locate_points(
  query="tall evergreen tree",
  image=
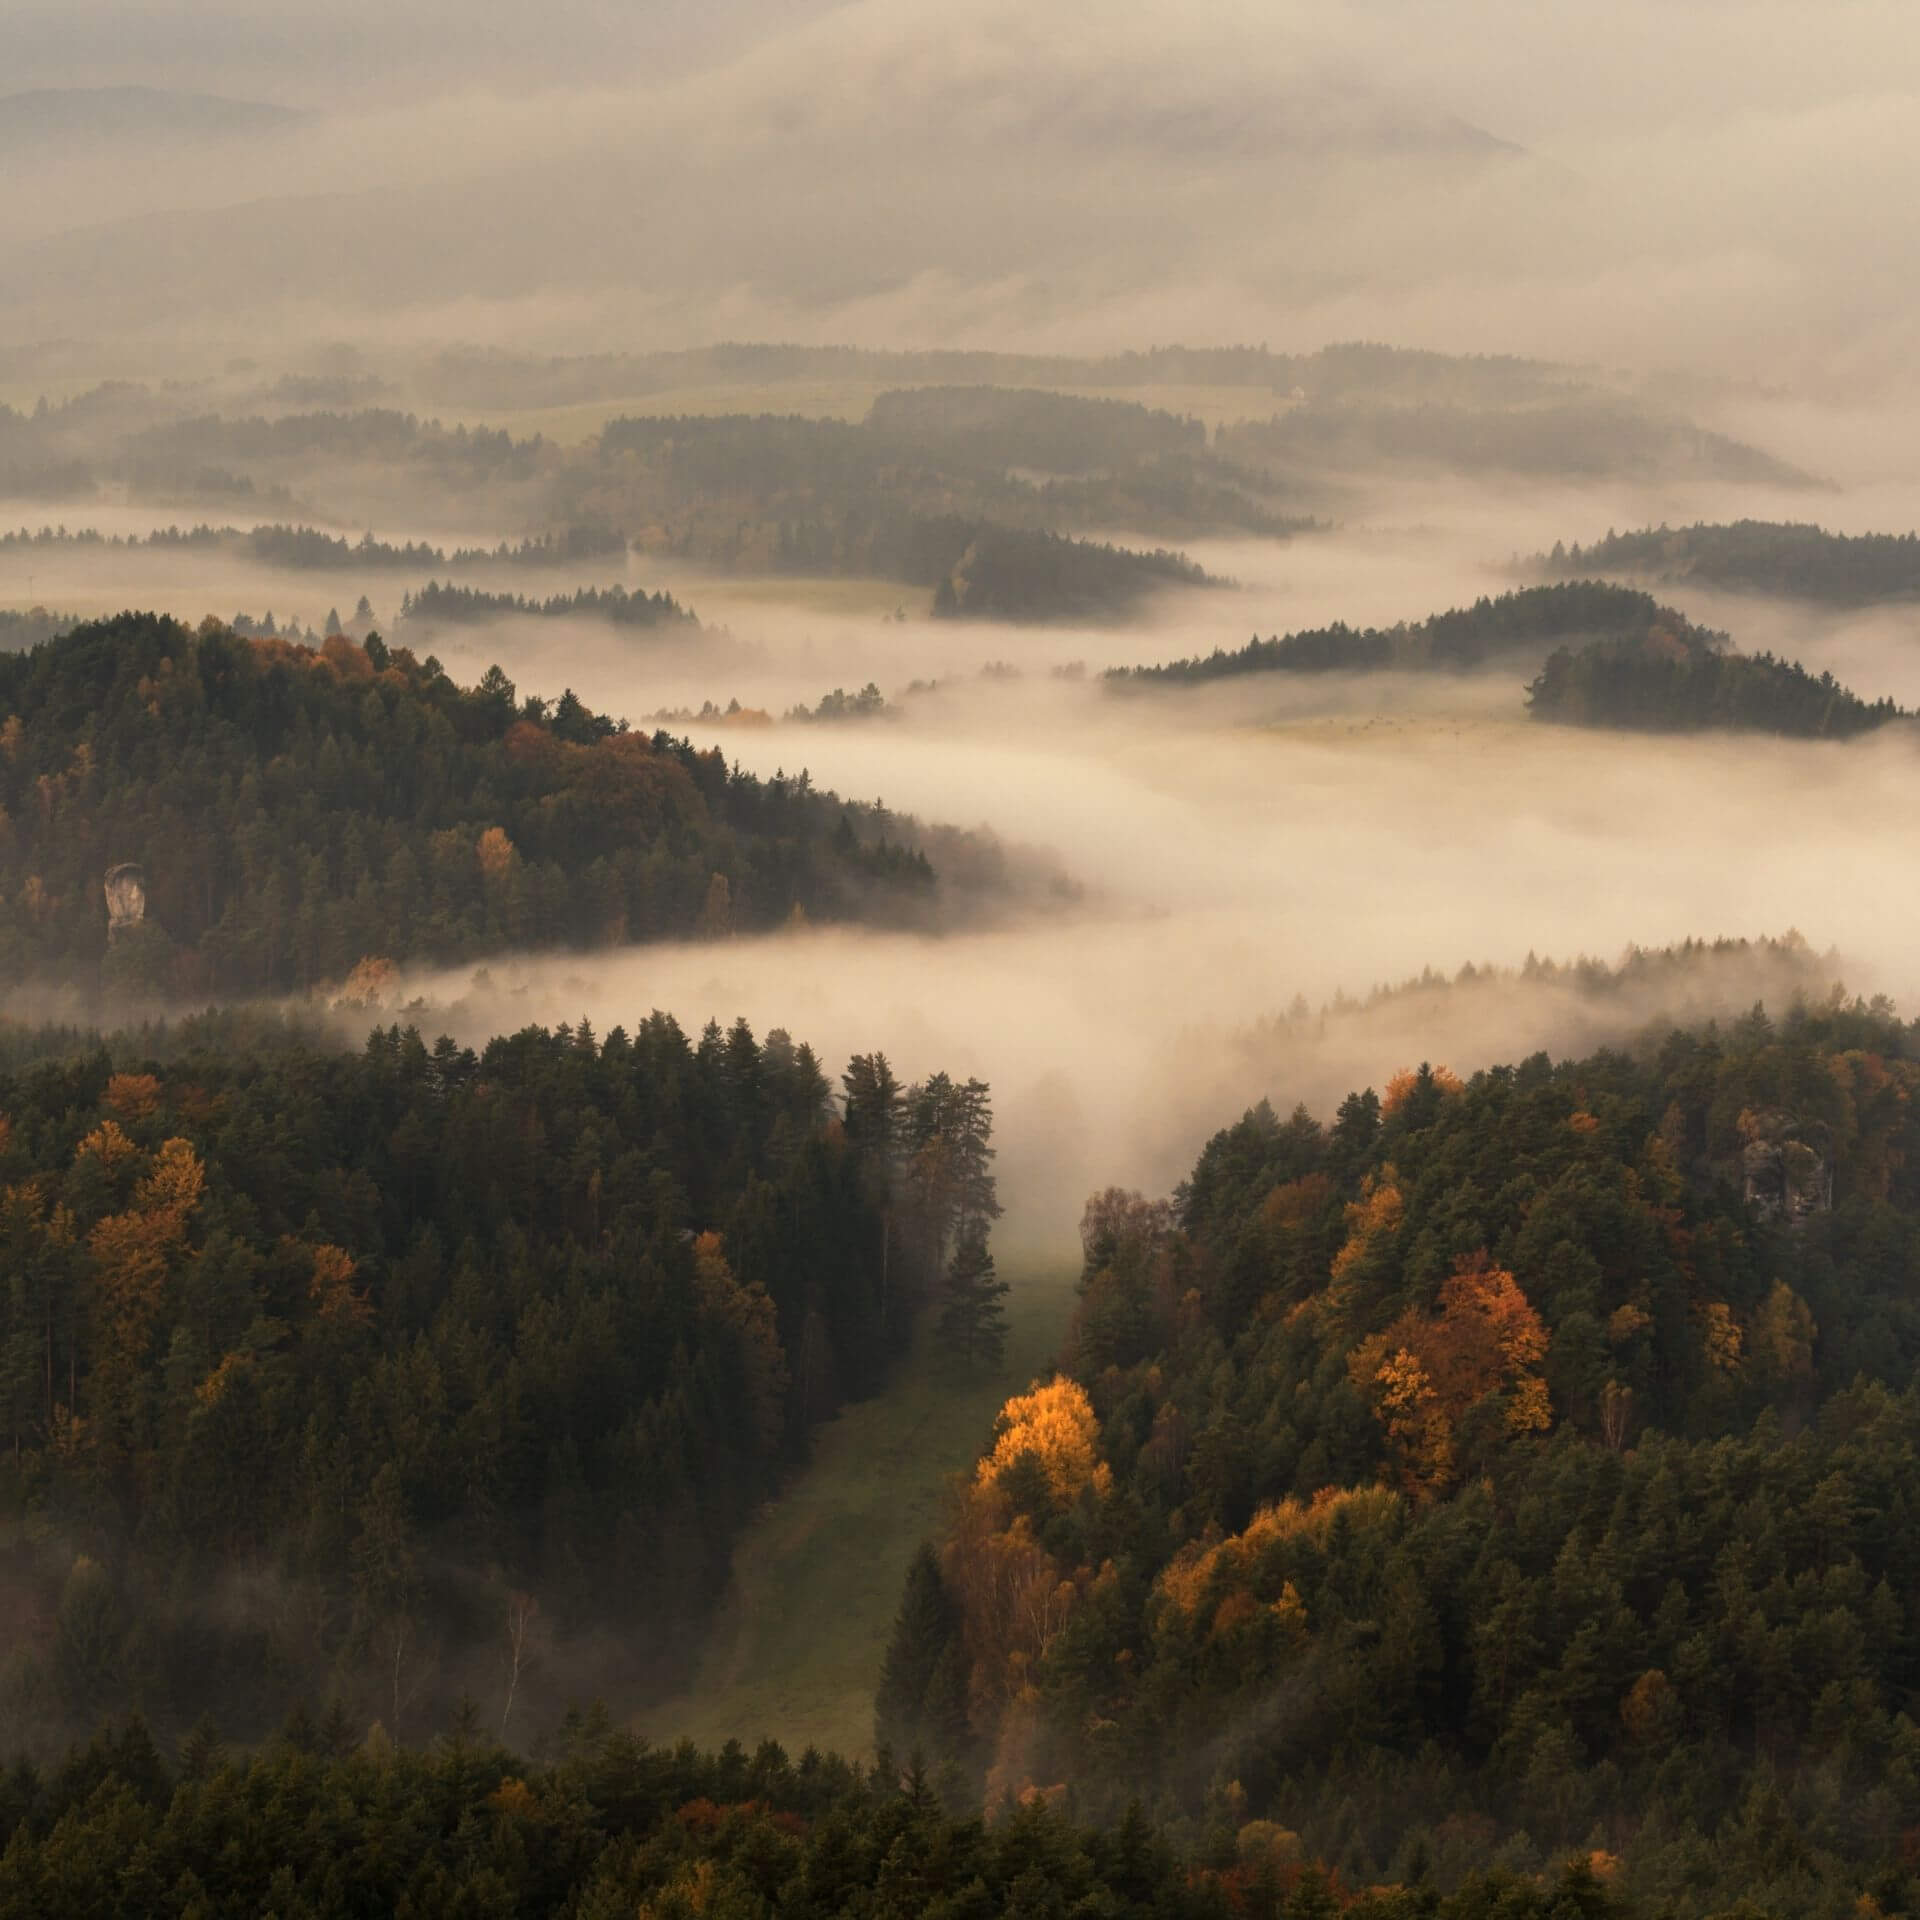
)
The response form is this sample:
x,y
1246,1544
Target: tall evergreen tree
x,y
973,1322
921,1706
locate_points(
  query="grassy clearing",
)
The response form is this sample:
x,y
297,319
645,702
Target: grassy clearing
x,y
794,1653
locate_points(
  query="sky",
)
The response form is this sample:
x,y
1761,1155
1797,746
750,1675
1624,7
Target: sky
x,y
1721,187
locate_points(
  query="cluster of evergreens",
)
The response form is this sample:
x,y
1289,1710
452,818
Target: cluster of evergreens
x,y
297,811
450,605
395,1375
311,549
1505,1467
317,1826
1802,562
568,547
868,704
1462,638
1006,574
369,433
30,626
1668,681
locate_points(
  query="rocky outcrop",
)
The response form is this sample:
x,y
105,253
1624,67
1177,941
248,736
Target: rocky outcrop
x,y
1786,1172
126,887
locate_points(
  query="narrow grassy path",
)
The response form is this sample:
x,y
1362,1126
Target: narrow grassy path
x,y
795,1649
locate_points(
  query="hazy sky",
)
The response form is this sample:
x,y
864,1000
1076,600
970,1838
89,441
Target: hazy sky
x,y
1713,184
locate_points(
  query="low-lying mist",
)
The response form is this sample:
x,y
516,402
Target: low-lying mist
x,y
1240,847
1264,841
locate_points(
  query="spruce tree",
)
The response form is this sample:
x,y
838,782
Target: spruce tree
x,y
973,1323
913,1710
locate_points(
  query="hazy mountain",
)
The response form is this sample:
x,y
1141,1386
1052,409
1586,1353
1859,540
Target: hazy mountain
x,y
61,118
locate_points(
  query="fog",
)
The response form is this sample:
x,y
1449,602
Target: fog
x,y
1702,206
1726,188
1263,843
1245,852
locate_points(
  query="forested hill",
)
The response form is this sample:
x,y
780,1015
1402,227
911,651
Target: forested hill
x,y
404,1375
1497,1469
1801,562
1463,637
1673,681
298,810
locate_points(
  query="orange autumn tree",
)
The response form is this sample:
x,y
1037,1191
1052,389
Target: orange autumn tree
x,y
1014,1596
330,1287
1427,1371
133,1254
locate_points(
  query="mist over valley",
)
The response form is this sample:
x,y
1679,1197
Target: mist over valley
x,y
959,963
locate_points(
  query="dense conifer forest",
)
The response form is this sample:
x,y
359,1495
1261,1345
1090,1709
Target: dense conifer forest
x,y
1499,1468
395,1376
298,811
1799,562
445,604
313,1825
1671,680
1462,638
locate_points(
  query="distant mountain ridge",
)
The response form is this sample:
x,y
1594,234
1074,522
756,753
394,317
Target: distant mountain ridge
x,y
64,116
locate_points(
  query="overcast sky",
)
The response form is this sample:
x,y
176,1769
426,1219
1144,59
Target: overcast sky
x,y
1726,183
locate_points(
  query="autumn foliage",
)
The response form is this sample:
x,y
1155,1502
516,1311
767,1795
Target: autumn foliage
x,y
1426,1372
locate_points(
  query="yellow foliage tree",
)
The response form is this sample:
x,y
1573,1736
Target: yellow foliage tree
x,y
108,1145
497,852
1374,1217
1054,1421
1720,1333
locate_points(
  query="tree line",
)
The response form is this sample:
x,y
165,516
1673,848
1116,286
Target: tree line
x,y
450,605
1797,560
1456,640
318,1824
311,549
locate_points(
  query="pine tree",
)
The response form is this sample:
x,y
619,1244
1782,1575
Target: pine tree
x,y
921,1704
973,1323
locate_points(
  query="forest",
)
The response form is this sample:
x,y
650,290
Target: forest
x,y
610,1826
312,549
959,962
1457,640
1793,560
392,1377
1505,1467
438,604
297,812
1678,682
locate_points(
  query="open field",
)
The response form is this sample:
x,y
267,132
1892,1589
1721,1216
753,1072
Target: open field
x,y
795,1651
